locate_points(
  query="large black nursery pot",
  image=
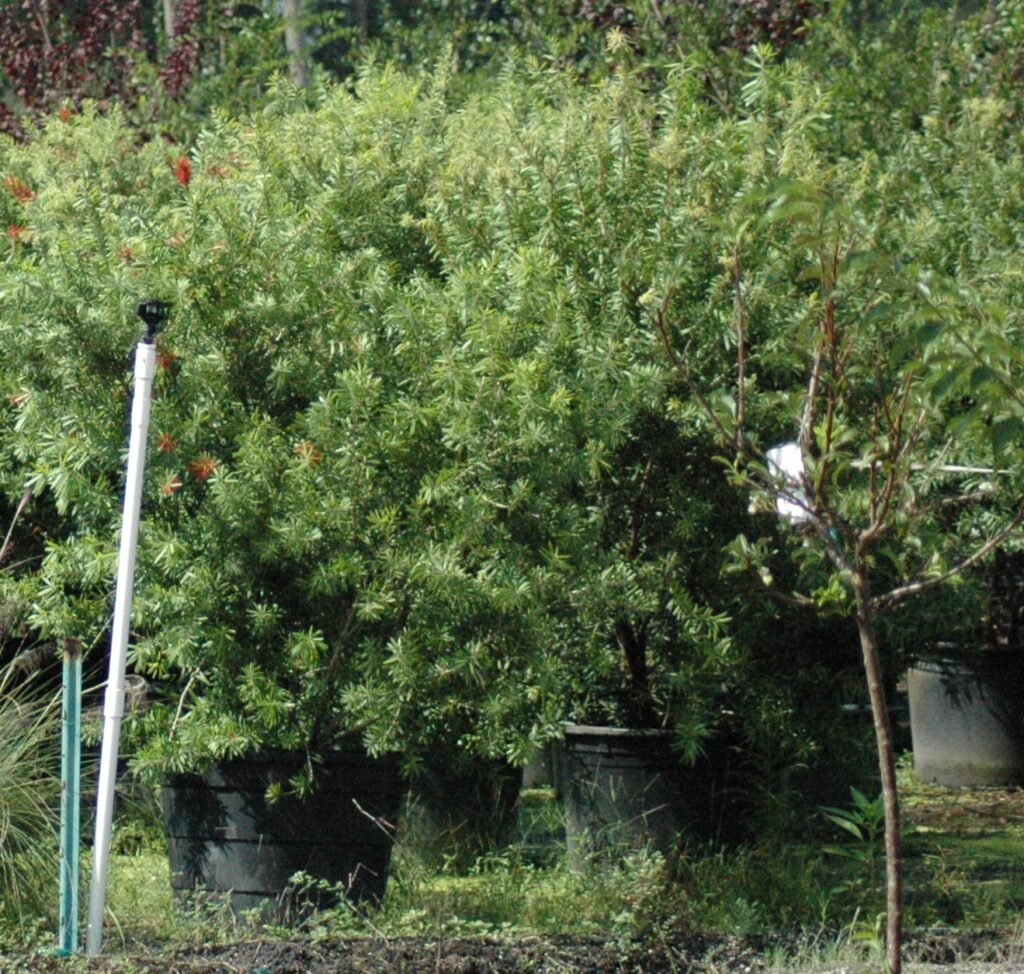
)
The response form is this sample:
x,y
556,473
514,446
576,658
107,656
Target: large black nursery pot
x,y
626,789
967,719
226,838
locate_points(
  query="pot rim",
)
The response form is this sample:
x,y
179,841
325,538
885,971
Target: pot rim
x,y
600,730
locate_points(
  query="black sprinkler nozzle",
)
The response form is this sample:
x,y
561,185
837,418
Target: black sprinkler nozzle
x,y
154,313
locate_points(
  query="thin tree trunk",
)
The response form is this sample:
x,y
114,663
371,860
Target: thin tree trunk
x,y
169,20
634,650
363,18
867,629
295,42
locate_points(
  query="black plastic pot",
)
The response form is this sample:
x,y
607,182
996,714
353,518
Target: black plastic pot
x,y
225,838
967,720
626,789
461,808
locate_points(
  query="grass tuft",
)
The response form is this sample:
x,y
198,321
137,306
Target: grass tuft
x,y
29,805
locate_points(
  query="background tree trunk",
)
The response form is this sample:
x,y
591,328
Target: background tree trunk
x,y
295,42
169,19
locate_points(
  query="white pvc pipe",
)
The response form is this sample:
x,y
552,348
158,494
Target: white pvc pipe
x,y
113,707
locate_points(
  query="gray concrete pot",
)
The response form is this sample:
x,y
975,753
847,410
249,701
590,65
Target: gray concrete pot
x,y
967,719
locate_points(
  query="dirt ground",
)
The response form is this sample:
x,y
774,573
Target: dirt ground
x,y
992,952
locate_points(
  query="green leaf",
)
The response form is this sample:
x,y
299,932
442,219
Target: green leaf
x,y
1006,435
927,333
983,375
788,210
842,819
945,384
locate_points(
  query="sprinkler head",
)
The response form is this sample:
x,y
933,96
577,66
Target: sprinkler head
x,y
154,313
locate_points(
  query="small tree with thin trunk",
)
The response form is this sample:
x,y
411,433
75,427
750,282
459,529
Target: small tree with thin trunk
x,y
880,449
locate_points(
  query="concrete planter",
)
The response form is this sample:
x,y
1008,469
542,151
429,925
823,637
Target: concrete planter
x,y
967,720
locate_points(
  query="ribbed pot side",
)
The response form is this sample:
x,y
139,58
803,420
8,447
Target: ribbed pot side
x,y
626,789
226,839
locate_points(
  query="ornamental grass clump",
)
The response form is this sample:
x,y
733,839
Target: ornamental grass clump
x,y
29,803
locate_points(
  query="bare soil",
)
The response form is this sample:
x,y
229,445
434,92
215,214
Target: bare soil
x,y
990,952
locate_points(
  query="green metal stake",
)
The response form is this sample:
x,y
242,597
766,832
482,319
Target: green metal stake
x,y
70,772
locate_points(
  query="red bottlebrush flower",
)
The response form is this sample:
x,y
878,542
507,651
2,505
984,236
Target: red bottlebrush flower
x,y
308,453
64,114
167,443
14,231
171,486
183,172
164,358
202,467
19,189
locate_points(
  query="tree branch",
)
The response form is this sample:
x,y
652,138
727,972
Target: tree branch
x,y
634,538
882,603
659,323
5,548
810,405
961,500
741,347
835,363
793,599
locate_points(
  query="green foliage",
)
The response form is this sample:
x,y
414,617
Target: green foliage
x,y
227,62
272,412
422,467
399,436
862,819
435,451
893,402
593,39
970,878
